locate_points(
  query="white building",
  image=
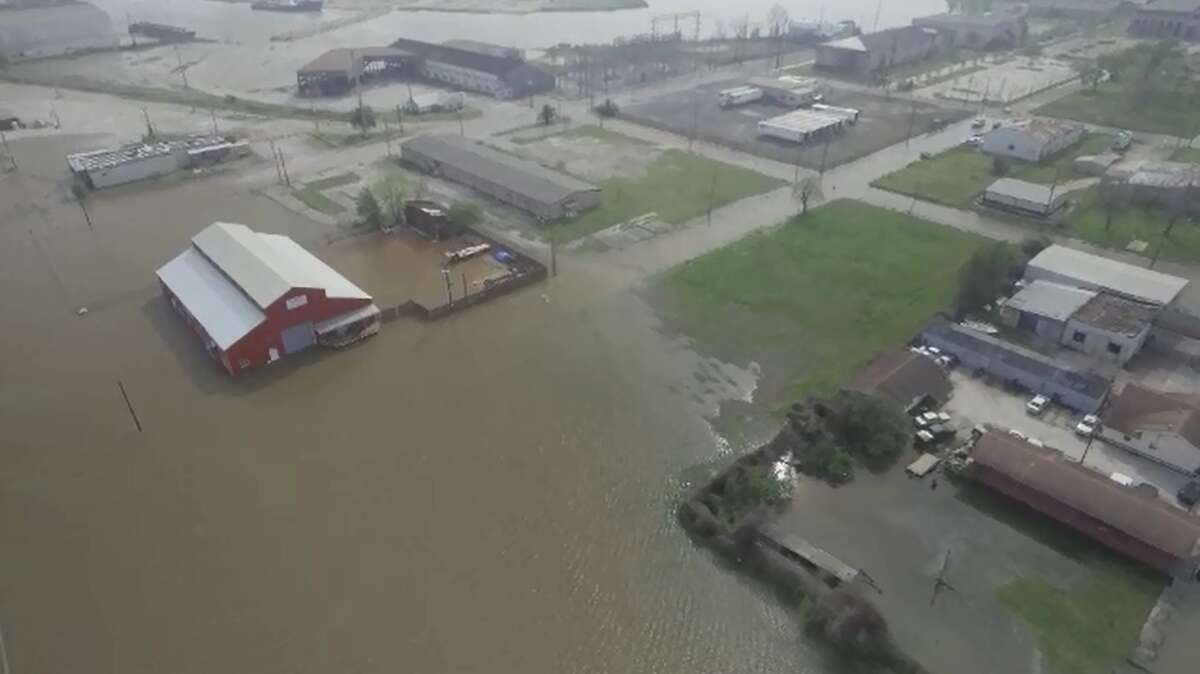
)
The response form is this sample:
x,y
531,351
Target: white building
x,y
1162,427
1032,140
141,161
1068,266
801,126
1024,198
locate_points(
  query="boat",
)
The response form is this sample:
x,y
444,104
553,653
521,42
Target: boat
x,y
288,5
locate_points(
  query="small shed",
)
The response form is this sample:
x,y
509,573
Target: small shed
x,y
1024,198
924,465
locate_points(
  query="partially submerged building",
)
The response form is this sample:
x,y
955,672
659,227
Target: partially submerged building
x,y
1078,390
791,92
1134,524
1032,140
140,161
907,378
337,71
873,52
1024,198
502,76
53,30
996,30
548,195
254,298
1162,427
1068,266
1167,184
1168,20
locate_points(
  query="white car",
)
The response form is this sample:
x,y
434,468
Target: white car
x,y
975,140
1036,406
926,419
1016,434
1087,426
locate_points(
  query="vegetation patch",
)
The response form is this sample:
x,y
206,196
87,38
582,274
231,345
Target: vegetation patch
x,y
677,185
1188,154
1090,221
318,202
339,180
815,298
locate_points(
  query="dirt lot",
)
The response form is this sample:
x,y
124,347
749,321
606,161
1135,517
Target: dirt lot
x,y
884,122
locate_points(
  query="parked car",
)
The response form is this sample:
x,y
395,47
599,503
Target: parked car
x,y
941,431
1189,494
979,123
925,419
997,124
1037,405
926,155
925,438
1122,141
1087,426
975,140
1016,434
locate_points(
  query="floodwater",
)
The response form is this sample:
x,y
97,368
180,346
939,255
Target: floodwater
x,y
489,493
237,22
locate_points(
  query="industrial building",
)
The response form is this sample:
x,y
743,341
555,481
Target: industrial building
x,y
254,298
54,30
1134,524
1162,427
907,378
1024,198
1032,140
1093,10
9,120
162,32
996,30
502,76
1068,266
337,71
790,92
1167,19
1167,184
1081,391
873,52
140,161
548,195
801,126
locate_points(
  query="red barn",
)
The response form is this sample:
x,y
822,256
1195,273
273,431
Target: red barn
x,y
254,298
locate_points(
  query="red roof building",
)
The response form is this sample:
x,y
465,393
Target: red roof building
x,y
254,298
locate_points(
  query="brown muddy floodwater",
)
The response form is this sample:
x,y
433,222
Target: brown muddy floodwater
x,y
489,493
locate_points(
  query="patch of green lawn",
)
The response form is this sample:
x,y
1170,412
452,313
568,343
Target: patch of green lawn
x,y
956,176
1190,154
820,295
1088,221
676,185
1089,627
1155,112
339,180
318,202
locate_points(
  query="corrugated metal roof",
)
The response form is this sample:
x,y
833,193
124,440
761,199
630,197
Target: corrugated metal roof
x,y
902,376
1026,191
1098,272
267,266
1116,314
1140,408
1052,300
518,175
210,297
1142,517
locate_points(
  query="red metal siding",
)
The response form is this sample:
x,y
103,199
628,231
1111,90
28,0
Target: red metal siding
x,y
1089,526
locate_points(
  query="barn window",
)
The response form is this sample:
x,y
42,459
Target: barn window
x,y
1012,146
1114,348
1078,337
296,302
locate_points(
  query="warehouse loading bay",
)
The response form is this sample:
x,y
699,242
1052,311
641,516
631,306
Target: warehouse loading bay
x,y
883,122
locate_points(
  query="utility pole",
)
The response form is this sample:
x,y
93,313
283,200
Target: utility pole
x,y
695,119
912,118
460,124
464,285
213,114
387,136
283,164
275,160
400,118
712,195
553,254
449,289
7,150
182,70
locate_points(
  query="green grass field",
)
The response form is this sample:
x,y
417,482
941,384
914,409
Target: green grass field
x,y
1089,222
820,295
957,176
1110,106
318,202
1191,154
1089,627
676,185
338,180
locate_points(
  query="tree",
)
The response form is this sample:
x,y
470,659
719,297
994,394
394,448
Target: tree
x,y
849,621
465,214
1000,166
778,20
547,115
1033,245
1113,196
874,428
389,193
1089,73
608,108
805,190
984,277
367,207
362,117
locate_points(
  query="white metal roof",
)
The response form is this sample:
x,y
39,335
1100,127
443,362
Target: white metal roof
x,y
805,121
267,266
853,43
1098,272
1052,300
225,313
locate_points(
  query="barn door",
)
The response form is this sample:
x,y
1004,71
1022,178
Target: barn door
x,y
298,338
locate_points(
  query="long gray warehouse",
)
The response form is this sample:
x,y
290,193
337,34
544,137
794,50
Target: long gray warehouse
x,y
548,195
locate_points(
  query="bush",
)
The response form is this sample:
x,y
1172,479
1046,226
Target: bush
x,y
367,207
840,467
871,427
850,622
608,108
984,277
1001,166
362,117
465,214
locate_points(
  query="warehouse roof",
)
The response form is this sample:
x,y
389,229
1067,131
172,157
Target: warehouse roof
x,y
1023,190
1139,408
1044,130
902,376
344,60
471,59
805,121
1046,472
210,297
524,177
268,266
1052,300
1187,6
967,20
1098,272
102,159
1116,314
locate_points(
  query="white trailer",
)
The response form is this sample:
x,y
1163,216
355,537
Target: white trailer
x,y
800,126
792,92
849,114
739,96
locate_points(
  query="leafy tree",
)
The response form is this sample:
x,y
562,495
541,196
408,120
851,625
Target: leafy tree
x,y
389,193
547,115
849,621
1033,245
871,427
363,118
840,467
367,207
608,108
750,488
778,20
1089,73
1000,166
465,214
984,277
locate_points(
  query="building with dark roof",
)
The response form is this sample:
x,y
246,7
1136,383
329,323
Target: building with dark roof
x,y
1134,524
1167,19
1069,9
502,76
1162,427
875,52
548,195
336,71
910,379
992,30
1110,327
1082,391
